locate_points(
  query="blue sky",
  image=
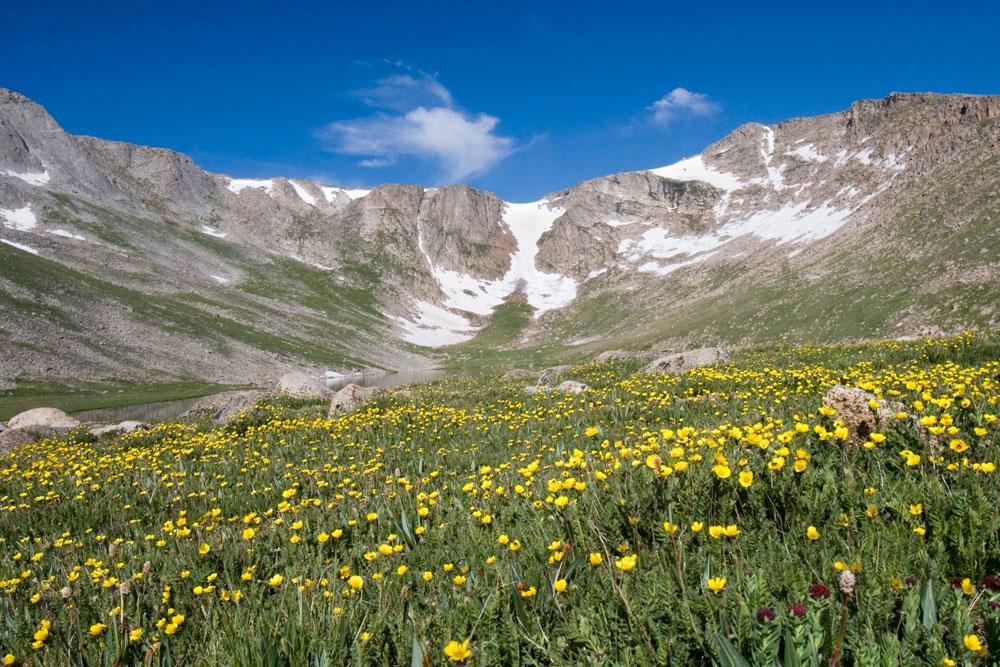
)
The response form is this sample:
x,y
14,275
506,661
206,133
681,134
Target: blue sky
x,y
518,98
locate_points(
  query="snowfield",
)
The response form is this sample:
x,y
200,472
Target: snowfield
x,y
695,169
35,179
435,326
19,219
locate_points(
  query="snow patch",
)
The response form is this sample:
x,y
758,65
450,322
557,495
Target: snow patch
x,y
219,279
303,193
793,223
774,178
433,326
462,292
66,234
212,231
807,153
596,272
669,267
892,162
19,219
237,185
695,169
35,179
331,193
864,157
20,246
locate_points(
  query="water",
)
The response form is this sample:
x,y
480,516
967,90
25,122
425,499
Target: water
x,y
152,412
143,412
385,380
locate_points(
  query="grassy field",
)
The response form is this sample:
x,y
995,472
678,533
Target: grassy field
x,y
713,517
96,395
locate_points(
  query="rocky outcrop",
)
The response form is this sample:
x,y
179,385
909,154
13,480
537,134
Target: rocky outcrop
x,y
609,356
112,430
231,280
300,384
863,413
518,374
43,418
352,397
550,376
571,387
683,361
12,438
222,407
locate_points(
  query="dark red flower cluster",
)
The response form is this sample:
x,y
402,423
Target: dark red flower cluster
x,y
765,614
819,592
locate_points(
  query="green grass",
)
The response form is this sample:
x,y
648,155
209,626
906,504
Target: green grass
x,y
77,396
285,538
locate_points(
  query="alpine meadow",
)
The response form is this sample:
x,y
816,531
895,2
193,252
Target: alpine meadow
x,y
499,334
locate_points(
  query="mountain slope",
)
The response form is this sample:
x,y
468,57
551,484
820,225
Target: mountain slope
x,y
122,261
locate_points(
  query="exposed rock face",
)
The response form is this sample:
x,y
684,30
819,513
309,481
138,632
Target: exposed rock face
x,y
166,270
223,407
117,429
300,384
351,397
12,438
550,376
682,361
45,418
622,355
852,406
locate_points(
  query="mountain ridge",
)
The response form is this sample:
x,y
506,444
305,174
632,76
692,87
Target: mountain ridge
x,y
262,274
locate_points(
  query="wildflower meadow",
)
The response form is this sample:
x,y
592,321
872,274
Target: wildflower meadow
x,y
718,516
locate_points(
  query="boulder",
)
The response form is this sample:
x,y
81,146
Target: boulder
x,y
12,438
572,387
682,361
533,389
852,407
518,374
300,384
623,355
351,397
43,418
549,376
222,407
98,430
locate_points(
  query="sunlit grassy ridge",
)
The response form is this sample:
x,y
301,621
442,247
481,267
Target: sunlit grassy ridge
x,y
653,519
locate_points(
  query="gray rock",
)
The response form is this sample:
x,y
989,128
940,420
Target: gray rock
x,y
682,361
623,355
12,438
46,418
300,384
852,407
533,389
351,397
518,374
222,407
551,375
117,429
572,387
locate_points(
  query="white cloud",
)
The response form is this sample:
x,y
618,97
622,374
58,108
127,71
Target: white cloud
x,y
424,122
404,92
679,102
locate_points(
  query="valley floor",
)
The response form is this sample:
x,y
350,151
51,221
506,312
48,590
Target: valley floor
x,y
722,514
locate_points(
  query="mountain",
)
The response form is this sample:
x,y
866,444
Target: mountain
x,y
128,262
